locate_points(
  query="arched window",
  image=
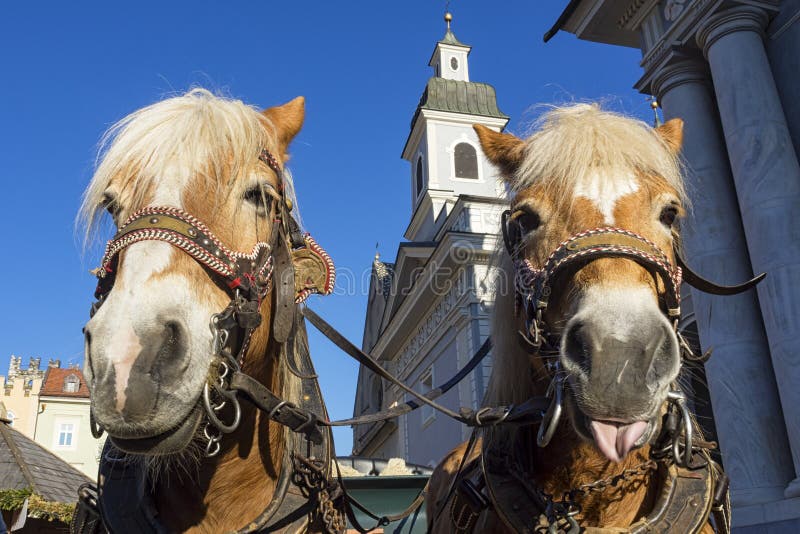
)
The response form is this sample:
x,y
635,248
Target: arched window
x,y
71,384
419,176
465,161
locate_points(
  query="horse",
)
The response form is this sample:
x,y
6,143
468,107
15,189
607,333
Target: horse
x,y
196,309
589,322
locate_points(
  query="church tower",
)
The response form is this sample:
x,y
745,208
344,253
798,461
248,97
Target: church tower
x,y
428,310
443,150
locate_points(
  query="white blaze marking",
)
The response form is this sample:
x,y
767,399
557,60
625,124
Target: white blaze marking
x,y
139,299
126,349
604,191
171,186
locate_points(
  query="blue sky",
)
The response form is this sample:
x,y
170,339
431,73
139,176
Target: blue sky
x,y
71,69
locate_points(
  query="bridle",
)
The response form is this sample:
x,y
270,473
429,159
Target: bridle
x,y
533,285
533,288
247,277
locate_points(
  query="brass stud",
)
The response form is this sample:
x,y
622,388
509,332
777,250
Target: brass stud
x,y
153,220
192,232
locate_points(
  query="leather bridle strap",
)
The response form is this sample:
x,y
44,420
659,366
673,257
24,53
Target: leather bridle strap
x,y
241,271
707,286
529,412
432,394
535,284
279,410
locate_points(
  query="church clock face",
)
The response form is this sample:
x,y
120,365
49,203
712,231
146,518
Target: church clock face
x,y
454,63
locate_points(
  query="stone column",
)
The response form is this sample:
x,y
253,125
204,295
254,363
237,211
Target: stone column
x,y
752,435
767,177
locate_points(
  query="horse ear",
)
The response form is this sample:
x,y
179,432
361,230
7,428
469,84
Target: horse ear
x,y
287,120
504,150
672,134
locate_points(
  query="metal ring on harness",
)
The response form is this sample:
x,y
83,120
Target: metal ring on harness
x,y
211,412
679,399
553,414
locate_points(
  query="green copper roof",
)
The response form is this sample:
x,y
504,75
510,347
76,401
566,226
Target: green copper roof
x,y
450,39
471,98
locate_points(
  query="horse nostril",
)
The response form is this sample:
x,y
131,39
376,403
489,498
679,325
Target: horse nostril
x,y
172,338
665,356
171,358
577,347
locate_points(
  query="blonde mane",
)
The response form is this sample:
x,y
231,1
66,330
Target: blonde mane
x,y
214,136
567,144
570,142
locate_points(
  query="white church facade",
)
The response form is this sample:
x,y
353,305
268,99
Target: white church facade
x,y
427,311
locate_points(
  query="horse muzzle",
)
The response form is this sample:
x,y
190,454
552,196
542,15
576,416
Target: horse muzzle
x,y
620,355
140,374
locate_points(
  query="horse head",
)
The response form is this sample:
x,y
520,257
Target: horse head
x,y
210,170
593,225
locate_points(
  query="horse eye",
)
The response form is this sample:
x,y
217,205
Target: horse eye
x,y
528,221
668,216
258,198
110,204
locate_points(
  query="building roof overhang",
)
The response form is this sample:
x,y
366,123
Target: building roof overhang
x,y
602,21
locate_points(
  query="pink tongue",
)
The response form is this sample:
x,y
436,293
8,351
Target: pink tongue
x,y
615,440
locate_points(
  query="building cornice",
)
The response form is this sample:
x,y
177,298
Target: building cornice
x,y
680,40
464,202
67,400
454,251
432,200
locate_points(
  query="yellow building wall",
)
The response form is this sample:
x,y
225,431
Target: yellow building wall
x,y
22,401
60,417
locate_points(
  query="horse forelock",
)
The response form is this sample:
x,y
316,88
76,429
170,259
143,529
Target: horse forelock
x,y
195,141
571,145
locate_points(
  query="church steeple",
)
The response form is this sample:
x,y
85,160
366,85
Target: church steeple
x,y
449,59
442,148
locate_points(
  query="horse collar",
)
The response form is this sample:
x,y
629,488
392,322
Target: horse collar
x,y
496,480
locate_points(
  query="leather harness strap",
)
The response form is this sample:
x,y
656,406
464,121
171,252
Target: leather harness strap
x,y
686,498
526,413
